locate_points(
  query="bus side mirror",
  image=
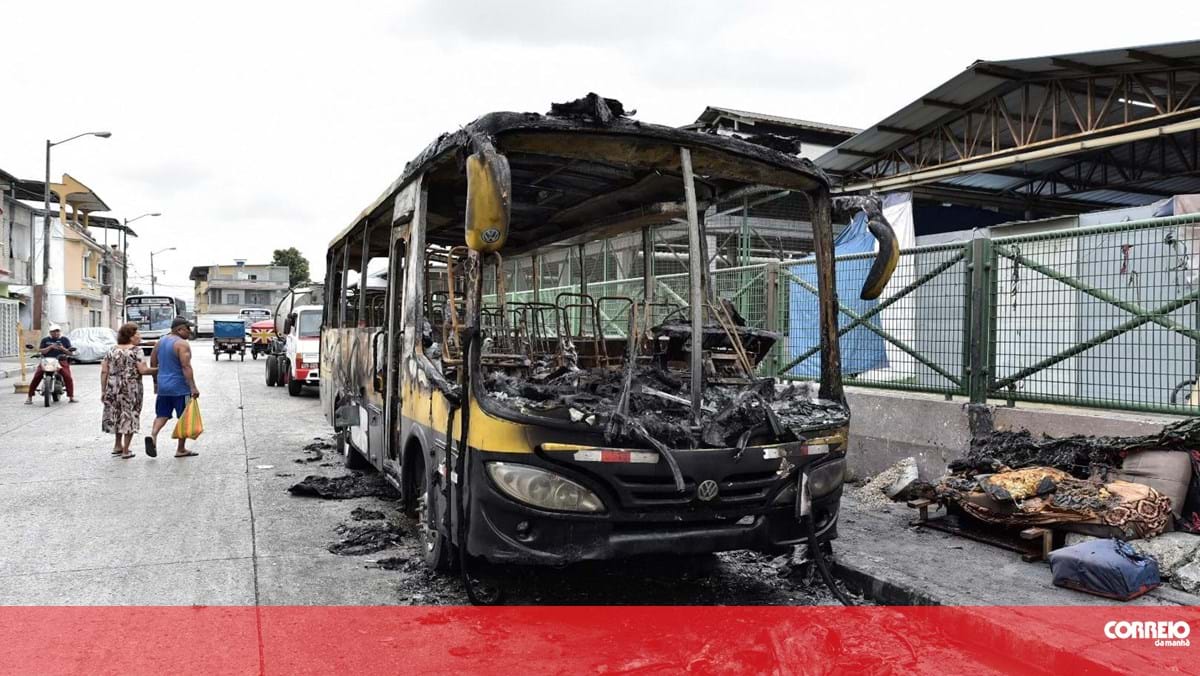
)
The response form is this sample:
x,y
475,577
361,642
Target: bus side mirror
x,y
289,323
489,201
885,260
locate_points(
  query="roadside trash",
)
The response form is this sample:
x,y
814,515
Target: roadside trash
x,y
884,487
1044,496
1108,568
264,467
190,425
1168,461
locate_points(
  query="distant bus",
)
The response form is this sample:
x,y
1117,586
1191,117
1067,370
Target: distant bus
x,y
153,315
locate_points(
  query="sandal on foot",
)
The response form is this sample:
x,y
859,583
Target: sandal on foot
x,y
189,454
117,452
150,449
125,456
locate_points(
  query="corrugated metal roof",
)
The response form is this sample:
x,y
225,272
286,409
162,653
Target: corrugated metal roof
x,y
712,112
975,83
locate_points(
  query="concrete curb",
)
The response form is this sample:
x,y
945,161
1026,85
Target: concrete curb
x,y
1015,632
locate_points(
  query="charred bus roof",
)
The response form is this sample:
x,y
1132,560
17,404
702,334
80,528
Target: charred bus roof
x,y
585,170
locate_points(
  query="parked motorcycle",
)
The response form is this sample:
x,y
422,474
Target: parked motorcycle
x,y
53,385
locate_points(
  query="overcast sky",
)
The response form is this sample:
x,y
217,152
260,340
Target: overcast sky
x,y
255,125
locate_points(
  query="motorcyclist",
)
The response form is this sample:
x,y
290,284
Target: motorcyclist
x,y
58,346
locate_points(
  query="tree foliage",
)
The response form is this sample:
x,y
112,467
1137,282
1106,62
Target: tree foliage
x,y
296,263
134,291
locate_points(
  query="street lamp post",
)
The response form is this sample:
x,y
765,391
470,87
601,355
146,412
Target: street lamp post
x,y
153,276
45,315
125,255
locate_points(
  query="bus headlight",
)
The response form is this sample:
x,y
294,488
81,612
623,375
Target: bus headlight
x,y
825,479
543,489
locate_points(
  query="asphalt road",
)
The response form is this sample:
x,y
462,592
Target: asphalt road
x,y
78,526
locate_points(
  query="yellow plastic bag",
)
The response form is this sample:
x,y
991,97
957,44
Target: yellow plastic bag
x,y
189,425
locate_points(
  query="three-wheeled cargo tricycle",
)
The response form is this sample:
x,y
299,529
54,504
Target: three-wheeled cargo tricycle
x,y
229,337
261,334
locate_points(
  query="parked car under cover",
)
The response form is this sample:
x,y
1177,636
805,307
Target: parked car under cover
x,y
92,343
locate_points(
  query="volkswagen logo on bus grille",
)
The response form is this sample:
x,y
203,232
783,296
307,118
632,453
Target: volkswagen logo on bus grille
x,y
707,490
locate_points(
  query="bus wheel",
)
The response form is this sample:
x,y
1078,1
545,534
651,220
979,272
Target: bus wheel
x,y
295,387
272,371
431,511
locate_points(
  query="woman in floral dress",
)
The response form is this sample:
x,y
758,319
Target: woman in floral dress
x,y
121,388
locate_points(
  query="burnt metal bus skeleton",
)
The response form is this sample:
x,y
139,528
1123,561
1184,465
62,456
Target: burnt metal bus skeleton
x,y
521,431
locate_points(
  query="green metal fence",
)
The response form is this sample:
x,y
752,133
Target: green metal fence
x,y
912,338
1107,316
1104,317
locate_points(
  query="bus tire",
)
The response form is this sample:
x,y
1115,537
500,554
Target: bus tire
x,y
283,367
295,387
272,371
436,549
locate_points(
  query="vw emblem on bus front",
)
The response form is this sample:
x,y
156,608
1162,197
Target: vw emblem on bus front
x,y
707,490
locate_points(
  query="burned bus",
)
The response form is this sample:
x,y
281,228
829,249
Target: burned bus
x,y
525,429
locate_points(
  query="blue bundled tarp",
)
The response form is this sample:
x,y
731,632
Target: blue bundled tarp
x,y
1109,568
229,329
862,349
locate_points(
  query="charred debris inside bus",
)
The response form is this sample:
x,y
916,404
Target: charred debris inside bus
x,y
620,371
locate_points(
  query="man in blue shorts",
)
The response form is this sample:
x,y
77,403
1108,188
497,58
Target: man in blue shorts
x,y
174,384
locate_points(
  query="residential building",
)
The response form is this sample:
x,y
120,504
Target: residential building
x,y
225,289
83,288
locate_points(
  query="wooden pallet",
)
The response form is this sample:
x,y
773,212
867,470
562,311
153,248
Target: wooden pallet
x,y
1033,544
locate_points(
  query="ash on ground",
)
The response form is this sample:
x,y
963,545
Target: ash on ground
x,y
363,514
368,538
315,451
354,485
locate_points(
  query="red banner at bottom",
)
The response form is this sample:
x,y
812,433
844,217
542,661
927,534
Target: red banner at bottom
x,y
613,639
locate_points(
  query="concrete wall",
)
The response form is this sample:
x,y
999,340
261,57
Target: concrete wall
x,y
886,427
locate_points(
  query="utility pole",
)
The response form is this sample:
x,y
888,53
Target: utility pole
x,y
154,276
44,319
125,256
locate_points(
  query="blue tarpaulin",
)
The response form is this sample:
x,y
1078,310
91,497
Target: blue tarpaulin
x,y
862,349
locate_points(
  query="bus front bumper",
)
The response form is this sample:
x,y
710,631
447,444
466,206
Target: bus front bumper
x,y
503,530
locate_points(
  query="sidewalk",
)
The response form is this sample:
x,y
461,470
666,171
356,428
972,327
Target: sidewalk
x,y
878,553
10,367
896,563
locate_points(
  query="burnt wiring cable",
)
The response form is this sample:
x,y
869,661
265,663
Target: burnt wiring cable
x,y
818,556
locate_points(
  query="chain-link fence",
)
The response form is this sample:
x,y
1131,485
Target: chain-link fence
x,y
911,338
1105,316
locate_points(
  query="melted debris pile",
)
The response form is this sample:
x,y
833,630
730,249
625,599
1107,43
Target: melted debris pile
x,y
659,406
1083,457
1079,455
315,451
361,514
369,538
344,487
1039,496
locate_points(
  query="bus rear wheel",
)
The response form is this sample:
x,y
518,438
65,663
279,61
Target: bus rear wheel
x,y
272,371
431,513
295,387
